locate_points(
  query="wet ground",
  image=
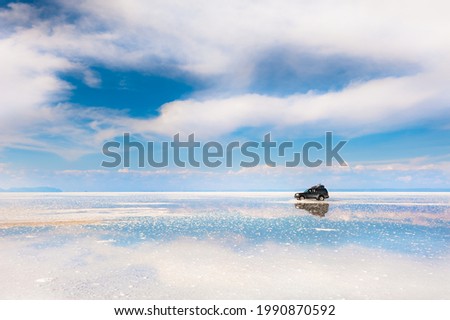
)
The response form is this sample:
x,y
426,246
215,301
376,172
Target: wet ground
x,y
224,246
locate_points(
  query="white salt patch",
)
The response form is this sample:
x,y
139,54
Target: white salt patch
x,y
325,229
43,280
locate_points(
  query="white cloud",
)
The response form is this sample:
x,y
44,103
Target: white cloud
x,y
83,172
361,108
30,89
222,42
411,165
213,37
3,168
163,172
406,179
30,115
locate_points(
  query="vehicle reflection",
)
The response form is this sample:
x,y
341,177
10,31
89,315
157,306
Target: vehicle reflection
x,y
318,209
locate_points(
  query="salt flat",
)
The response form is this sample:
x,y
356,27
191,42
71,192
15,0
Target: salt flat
x,y
224,246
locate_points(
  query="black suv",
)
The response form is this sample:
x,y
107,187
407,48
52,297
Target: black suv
x,y
318,192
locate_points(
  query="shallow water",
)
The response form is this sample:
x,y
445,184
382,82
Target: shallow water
x,y
224,246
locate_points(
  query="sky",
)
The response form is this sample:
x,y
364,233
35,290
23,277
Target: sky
x,y
74,76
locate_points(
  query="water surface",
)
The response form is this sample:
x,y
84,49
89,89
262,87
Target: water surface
x,y
224,246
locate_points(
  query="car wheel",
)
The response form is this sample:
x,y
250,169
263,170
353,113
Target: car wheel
x,y
321,198
301,198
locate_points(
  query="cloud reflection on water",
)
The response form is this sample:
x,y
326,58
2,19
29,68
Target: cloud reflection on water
x,y
158,246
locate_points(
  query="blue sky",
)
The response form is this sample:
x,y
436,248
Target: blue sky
x,y
74,76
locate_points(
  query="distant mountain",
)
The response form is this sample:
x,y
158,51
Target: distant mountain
x,y
31,189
